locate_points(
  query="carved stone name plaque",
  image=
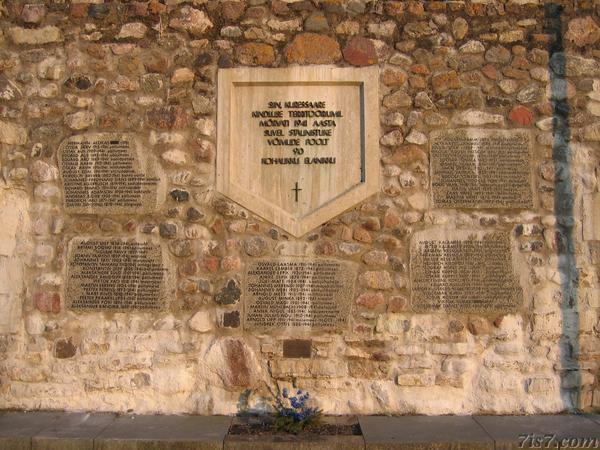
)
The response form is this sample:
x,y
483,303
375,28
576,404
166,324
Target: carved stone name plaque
x,y
463,272
594,252
112,274
104,173
298,145
298,293
591,216
297,348
480,168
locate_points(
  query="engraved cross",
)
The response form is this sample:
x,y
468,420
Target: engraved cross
x,y
296,189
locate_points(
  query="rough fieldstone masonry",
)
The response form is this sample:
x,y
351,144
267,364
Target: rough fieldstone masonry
x,y
393,205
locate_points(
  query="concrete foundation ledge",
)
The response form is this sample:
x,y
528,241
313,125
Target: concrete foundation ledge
x,y
43,430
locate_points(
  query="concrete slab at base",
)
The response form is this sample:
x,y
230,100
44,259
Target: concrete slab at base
x,y
424,432
515,432
594,417
164,432
72,431
156,445
81,431
15,443
18,427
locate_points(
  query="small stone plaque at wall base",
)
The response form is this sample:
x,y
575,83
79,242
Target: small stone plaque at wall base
x,y
463,272
481,168
591,216
297,348
105,173
298,294
113,274
594,252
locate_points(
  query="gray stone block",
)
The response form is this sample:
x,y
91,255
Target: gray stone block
x,y
164,432
594,417
514,432
424,432
18,427
72,431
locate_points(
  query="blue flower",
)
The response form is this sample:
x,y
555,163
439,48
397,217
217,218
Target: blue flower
x,y
294,411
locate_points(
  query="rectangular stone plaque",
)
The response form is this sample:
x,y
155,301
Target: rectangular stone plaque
x,y
11,285
594,252
112,274
591,216
297,348
298,145
105,173
481,168
463,272
298,293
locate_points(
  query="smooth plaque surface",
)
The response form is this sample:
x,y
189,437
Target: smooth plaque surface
x,y
113,274
594,252
297,348
481,168
463,271
106,173
591,216
298,293
299,145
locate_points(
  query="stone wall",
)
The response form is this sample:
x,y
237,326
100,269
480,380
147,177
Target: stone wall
x,y
148,70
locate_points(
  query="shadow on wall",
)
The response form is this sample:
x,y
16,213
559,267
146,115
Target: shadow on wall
x,y
563,211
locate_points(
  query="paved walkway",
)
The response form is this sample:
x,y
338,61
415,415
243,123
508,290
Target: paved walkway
x,y
104,431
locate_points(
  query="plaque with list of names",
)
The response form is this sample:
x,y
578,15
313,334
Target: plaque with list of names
x,y
481,168
105,173
298,293
113,274
463,272
298,145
